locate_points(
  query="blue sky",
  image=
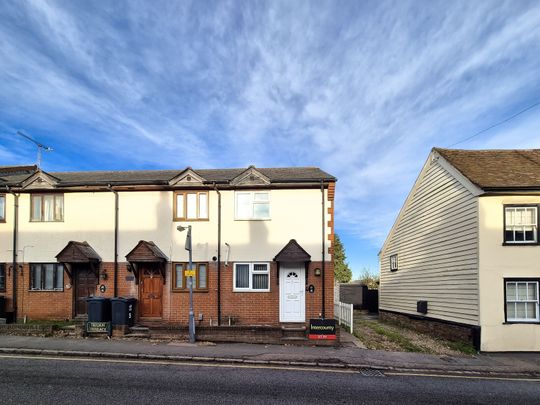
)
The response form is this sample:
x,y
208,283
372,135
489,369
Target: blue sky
x,y
362,89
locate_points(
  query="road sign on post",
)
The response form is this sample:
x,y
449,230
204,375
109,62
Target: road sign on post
x,y
190,273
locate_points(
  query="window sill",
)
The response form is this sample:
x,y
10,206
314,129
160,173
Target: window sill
x,y
45,222
251,291
47,291
521,244
186,291
253,219
521,323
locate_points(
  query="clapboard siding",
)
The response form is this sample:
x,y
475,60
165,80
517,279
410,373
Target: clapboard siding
x,y
436,240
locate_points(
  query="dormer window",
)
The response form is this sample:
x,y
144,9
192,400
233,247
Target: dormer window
x,y
520,224
47,207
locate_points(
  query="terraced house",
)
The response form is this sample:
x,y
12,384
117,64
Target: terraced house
x,y
462,258
259,237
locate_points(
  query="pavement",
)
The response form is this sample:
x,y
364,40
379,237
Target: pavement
x,y
347,356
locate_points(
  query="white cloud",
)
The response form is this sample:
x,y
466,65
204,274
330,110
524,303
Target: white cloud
x,y
362,89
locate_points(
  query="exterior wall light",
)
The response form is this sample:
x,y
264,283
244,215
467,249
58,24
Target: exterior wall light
x,y
317,272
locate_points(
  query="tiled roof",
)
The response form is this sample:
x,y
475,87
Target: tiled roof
x,y
141,177
497,169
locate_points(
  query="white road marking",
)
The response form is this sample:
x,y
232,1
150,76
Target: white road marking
x,y
469,377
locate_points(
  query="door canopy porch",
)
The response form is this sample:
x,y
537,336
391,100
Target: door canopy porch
x,y
292,252
146,252
78,253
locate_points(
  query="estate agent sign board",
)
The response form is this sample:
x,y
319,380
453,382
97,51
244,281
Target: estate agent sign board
x,y
322,329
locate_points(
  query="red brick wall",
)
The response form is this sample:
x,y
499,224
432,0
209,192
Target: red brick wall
x,y
42,304
248,308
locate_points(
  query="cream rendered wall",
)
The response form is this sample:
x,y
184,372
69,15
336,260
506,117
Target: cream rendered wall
x,y
295,214
87,217
436,240
496,263
148,215
6,232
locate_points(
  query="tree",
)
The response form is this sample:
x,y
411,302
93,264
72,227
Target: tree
x,y
369,279
342,272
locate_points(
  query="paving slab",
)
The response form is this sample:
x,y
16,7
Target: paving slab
x,y
493,363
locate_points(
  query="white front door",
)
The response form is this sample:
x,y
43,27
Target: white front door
x,y
292,293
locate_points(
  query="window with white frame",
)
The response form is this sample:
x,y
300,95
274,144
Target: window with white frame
x,y
47,207
251,277
252,205
520,224
191,206
46,277
522,301
2,207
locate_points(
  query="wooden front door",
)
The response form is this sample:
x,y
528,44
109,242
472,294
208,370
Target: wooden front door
x,y
151,292
85,286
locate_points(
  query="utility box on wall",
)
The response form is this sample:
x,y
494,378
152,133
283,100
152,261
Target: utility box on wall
x,y
421,306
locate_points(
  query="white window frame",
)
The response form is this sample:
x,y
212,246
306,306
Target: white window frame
x,y
251,272
513,228
516,300
3,208
253,203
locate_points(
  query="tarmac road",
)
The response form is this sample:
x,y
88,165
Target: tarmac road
x,y
42,380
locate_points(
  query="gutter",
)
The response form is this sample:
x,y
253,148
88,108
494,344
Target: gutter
x,y
15,239
218,257
115,283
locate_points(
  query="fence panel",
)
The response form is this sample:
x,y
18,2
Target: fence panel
x,y
344,314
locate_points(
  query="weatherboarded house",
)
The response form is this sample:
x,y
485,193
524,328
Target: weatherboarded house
x,y
259,238
462,258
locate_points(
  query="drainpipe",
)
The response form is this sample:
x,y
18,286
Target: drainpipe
x,y
115,283
15,247
218,257
323,253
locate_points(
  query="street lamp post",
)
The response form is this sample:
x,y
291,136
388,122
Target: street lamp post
x,y
188,247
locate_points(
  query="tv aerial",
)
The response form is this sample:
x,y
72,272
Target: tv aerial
x,y
40,146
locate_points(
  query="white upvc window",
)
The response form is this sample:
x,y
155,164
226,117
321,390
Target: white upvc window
x,y
251,277
522,301
2,208
520,224
252,205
